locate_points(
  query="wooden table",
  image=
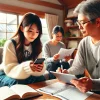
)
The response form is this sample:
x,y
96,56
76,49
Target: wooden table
x,y
49,97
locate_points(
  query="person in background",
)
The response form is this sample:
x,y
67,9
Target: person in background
x,y
88,54
51,49
21,51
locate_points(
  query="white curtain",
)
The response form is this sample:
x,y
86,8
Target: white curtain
x,y
51,20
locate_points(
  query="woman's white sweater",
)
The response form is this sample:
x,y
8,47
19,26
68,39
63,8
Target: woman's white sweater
x,y
10,64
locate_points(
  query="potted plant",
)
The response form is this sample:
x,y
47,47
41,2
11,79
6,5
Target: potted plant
x,y
2,42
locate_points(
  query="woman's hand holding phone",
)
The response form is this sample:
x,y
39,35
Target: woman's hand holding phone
x,y
37,65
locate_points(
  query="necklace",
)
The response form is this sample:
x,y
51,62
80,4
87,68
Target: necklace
x,y
27,51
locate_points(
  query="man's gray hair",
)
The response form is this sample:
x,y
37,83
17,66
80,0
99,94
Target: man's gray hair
x,y
89,8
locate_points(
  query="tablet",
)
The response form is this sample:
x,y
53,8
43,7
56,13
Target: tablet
x,y
66,78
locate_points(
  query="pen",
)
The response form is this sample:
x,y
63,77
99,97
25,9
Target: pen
x,y
87,73
62,67
61,64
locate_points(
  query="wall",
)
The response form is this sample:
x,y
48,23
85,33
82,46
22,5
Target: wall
x,y
35,7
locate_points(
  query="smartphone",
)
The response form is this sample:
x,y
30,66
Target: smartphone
x,y
39,61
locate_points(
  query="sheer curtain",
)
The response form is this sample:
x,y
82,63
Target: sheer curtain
x,y
51,20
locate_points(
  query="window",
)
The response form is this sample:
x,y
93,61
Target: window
x,y
45,36
9,23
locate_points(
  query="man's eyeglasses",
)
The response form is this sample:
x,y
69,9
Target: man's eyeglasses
x,y
81,23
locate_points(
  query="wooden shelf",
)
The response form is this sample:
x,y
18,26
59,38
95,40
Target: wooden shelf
x,y
74,38
73,26
71,17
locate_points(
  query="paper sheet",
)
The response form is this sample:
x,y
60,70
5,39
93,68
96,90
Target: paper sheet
x,y
65,52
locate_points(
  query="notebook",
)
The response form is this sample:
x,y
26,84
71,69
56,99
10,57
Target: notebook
x,y
64,91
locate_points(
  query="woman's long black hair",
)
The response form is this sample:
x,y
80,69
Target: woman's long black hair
x,y
28,20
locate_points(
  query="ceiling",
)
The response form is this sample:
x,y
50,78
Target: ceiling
x,y
57,4
70,3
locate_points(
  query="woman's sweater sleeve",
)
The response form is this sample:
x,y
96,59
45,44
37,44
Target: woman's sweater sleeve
x,y
46,52
96,84
11,66
78,62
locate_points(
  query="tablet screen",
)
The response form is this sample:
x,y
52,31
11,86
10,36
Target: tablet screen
x,y
66,78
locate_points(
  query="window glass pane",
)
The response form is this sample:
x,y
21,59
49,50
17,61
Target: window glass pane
x,y
2,17
11,19
2,35
20,18
2,28
45,35
11,28
43,22
44,38
8,25
9,35
45,31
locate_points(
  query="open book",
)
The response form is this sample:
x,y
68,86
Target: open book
x,y
17,92
65,52
64,91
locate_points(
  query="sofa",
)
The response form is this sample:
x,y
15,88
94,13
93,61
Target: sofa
x,y
1,53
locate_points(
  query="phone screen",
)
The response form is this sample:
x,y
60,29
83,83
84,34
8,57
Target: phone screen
x,y
39,61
